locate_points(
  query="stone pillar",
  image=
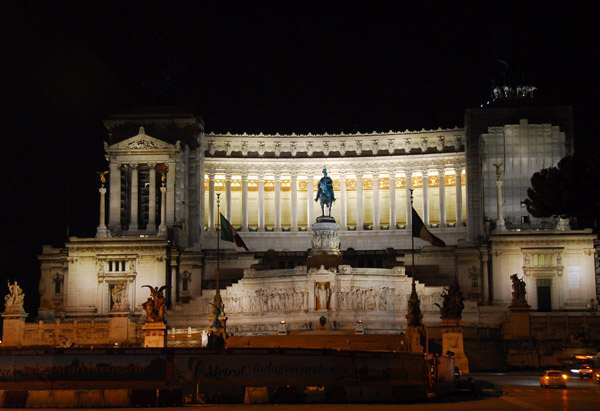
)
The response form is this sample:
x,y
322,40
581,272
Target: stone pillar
x,y
408,205
294,200
309,199
277,201
392,200
261,202
114,211
426,198
244,201
485,299
376,200
152,199
344,206
228,197
170,199
442,198
359,201
500,221
155,335
102,230
162,229
459,216
174,285
211,202
133,223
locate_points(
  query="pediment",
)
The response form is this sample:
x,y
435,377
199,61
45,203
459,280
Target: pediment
x,y
141,141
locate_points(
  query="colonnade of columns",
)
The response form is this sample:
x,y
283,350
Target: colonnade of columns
x,y
341,196
166,197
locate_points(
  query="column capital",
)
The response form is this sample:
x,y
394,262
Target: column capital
x,y
134,166
228,176
260,175
152,165
211,174
425,172
408,172
277,175
458,170
359,174
293,175
375,174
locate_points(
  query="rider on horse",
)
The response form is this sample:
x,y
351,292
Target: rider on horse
x,y
325,192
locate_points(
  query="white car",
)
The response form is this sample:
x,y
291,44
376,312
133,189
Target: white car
x,y
554,378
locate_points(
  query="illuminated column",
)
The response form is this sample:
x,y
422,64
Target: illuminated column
x,y
344,207
133,223
211,202
294,216
152,199
277,201
359,202
408,205
228,197
500,221
309,199
162,229
114,219
459,216
376,200
442,198
244,201
426,197
102,231
261,202
393,200
174,285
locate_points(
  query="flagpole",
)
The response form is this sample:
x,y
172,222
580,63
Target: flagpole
x,y
218,236
412,239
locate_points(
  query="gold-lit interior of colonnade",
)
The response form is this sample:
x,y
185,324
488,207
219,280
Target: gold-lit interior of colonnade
x,y
434,218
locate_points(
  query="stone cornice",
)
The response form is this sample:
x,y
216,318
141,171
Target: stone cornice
x,y
336,165
336,145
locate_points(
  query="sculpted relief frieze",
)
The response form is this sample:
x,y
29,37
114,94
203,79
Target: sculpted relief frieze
x,y
360,144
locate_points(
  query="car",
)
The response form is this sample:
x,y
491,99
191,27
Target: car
x,y
554,378
596,377
457,372
585,371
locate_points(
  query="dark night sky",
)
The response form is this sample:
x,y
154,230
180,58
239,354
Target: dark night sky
x,y
311,67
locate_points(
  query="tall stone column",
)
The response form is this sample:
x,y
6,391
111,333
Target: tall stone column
x,y
309,199
152,200
261,202
459,216
162,229
392,200
102,230
359,201
294,207
376,200
228,196
277,201
442,198
211,202
426,198
114,211
343,203
244,201
174,283
500,221
133,223
408,205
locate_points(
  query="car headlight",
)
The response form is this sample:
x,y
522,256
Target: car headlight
x,y
564,376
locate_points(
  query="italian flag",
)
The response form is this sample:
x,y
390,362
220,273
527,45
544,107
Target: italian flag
x,y
419,230
228,233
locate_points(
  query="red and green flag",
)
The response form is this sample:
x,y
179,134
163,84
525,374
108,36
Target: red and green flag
x,y
420,230
228,233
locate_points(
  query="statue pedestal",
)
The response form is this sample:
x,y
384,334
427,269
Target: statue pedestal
x,y
325,249
518,323
119,327
452,340
14,327
155,335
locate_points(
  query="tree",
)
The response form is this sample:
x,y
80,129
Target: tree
x,y
571,189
